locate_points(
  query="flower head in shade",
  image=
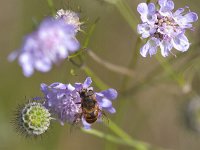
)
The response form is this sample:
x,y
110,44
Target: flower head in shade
x,y
69,17
65,101
164,28
51,43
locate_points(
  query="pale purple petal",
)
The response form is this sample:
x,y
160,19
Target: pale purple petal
x,y
111,110
180,42
26,63
191,17
178,12
78,86
13,55
43,65
110,94
151,8
104,103
166,5
142,9
73,44
145,29
165,47
70,87
87,82
43,88
150,47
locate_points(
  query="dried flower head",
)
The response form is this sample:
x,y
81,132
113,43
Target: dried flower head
x,y
50,44
33,119
164,28
69,17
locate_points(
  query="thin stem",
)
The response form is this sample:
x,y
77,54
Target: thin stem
x,y
132,63
90,32
110,66
51,6
128,15
108,137
118,131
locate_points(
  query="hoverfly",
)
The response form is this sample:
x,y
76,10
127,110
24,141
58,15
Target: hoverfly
x,y
90,109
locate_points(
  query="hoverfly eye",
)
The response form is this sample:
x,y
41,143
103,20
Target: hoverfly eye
x,y
82,94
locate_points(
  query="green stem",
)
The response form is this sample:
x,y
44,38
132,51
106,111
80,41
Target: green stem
x,y
108,137
118,131
132,63
51,6
127,13
90,32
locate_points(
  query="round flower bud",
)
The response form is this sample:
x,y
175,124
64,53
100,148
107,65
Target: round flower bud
x,y
33,119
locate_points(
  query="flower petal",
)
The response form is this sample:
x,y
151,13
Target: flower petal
x,y
105,103
110,94
26,63
111,110
150,47
180,42
43,65
78,86
165,47
151,8
178,12
191,17
87,82
73,44
166,6
142,8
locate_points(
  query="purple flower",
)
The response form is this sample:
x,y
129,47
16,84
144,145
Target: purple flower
x,y
64,101
164,28
61,100
51,43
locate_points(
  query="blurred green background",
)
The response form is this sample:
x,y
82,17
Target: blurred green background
x,y
154,113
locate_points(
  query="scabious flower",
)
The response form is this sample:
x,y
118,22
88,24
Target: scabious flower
x,y
61,100
69,17
64,100
164,28
51,43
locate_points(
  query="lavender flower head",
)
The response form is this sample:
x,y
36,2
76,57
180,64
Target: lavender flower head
x,y
64,100
51,43
69,17
164,28
61,99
